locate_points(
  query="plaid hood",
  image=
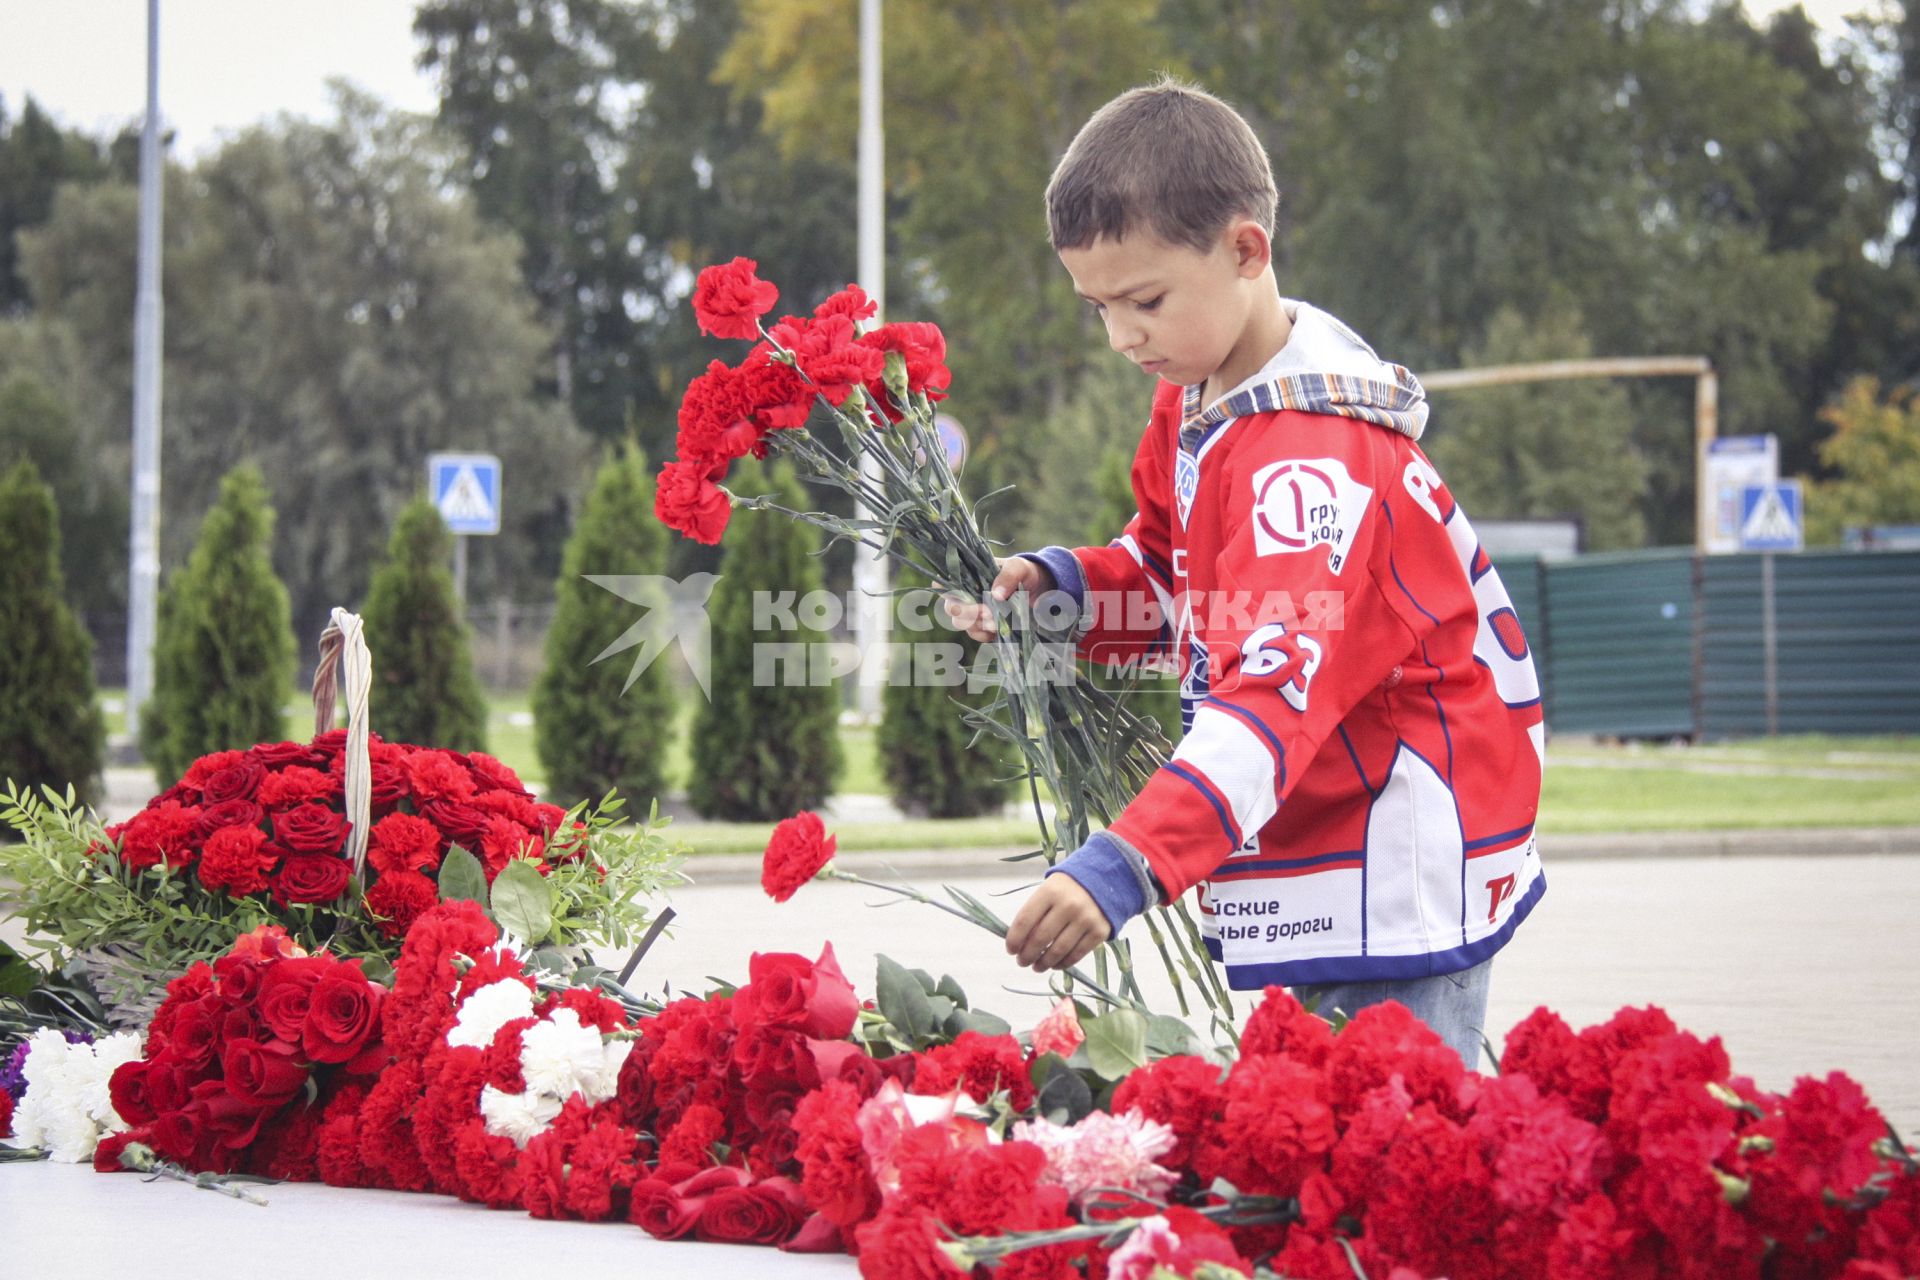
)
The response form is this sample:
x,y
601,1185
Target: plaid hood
x,y
1324,368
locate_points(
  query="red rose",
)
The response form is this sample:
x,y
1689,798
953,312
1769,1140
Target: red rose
x,y
398,898
797,850
262,1075
237,860
230,813
311,878
205,767
279,755
729,299
403,842
687,501
391,785
343,1014
286,994
716,419
464,824
656,1208
493,775
127,1087
236,782
789,991
767,1212
311,828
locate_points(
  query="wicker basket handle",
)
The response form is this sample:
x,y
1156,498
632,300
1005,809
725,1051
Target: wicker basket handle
x,y
344,644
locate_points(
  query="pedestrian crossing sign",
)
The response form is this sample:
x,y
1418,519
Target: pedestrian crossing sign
x,y
466,488
1771,517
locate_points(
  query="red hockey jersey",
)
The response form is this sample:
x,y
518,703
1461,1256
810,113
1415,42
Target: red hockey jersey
x,y
1356,791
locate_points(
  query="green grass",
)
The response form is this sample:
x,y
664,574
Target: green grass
x,y
1806,781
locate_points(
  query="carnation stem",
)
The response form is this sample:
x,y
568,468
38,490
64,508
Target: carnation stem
x,y
985,919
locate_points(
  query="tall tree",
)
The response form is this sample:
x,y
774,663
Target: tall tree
x,y
35,424
598,722
1874,456
223,654
36,156
336,311
981,102
51,733
424,689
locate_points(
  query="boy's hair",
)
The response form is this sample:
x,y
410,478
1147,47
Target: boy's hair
x,y
1167,157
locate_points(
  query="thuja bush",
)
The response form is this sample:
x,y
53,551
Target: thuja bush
x,y
223,653
424,688
51,733
935,766
605,722
766,744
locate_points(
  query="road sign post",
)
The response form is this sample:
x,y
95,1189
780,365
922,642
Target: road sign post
x,y
466,489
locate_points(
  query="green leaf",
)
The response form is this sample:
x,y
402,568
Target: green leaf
x,y
903,1000
17,977
942,1008
986,1024
925,979
522,902
1168,1035
462,877
951,990
1064,1098
1117,1042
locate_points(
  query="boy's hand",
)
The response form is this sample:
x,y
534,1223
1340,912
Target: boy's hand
x,y
1016,574
1059,926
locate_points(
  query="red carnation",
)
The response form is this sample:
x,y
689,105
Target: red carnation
x,y
798,849
163,831
830,355
1182,1092
237,859
729,299
924,348
982,1065
836,1176
851,302
403,842
297,784
904,1244
6,1111
311,828
780,397
439,775
398,898
716,418
689,502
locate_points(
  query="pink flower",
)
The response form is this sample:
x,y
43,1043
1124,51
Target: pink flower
x,y
1103,1151
1059,1032
1177,1242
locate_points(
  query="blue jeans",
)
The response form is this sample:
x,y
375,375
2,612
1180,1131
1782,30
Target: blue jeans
x,y
1453,1004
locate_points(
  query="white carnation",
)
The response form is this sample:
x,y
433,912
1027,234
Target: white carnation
x,y
67,1109
520,1116
604,1081
487,1010
560,1057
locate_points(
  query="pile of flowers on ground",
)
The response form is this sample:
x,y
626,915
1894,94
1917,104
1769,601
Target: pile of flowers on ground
x,y
925,1137
261,836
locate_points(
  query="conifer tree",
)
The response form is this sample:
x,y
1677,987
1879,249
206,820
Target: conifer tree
x,y
424,688
764,750
933,763
598,722
223,652
50,728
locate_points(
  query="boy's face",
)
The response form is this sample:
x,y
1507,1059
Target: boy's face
x,y
1178,313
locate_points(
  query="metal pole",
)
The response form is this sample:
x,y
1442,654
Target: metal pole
x,y
460,574
870,570
1770,644
144,550
1706,425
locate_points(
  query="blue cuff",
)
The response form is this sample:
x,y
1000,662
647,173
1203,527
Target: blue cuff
x,y
1100,868
1065,568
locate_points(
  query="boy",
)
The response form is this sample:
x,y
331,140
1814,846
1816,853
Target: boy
x,y
1355,794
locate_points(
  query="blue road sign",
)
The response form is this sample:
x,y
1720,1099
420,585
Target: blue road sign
x,y
466,488
1772,517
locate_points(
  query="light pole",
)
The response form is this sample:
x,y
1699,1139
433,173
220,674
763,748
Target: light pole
x,y
144,551
870,571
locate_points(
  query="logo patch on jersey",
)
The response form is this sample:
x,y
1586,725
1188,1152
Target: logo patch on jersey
x,y
1186,483
1306,503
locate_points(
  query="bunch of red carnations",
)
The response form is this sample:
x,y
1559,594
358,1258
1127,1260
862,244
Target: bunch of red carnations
x,y
876,375
243,1056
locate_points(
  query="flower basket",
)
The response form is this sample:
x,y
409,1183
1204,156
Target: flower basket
x,y
343,841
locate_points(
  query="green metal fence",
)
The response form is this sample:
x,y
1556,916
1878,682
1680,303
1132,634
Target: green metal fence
x,y
1664,643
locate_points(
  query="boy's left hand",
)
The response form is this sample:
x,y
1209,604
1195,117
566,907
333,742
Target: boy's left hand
x,y
1058,927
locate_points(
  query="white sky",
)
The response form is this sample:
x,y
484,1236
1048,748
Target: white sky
x,y
225,64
